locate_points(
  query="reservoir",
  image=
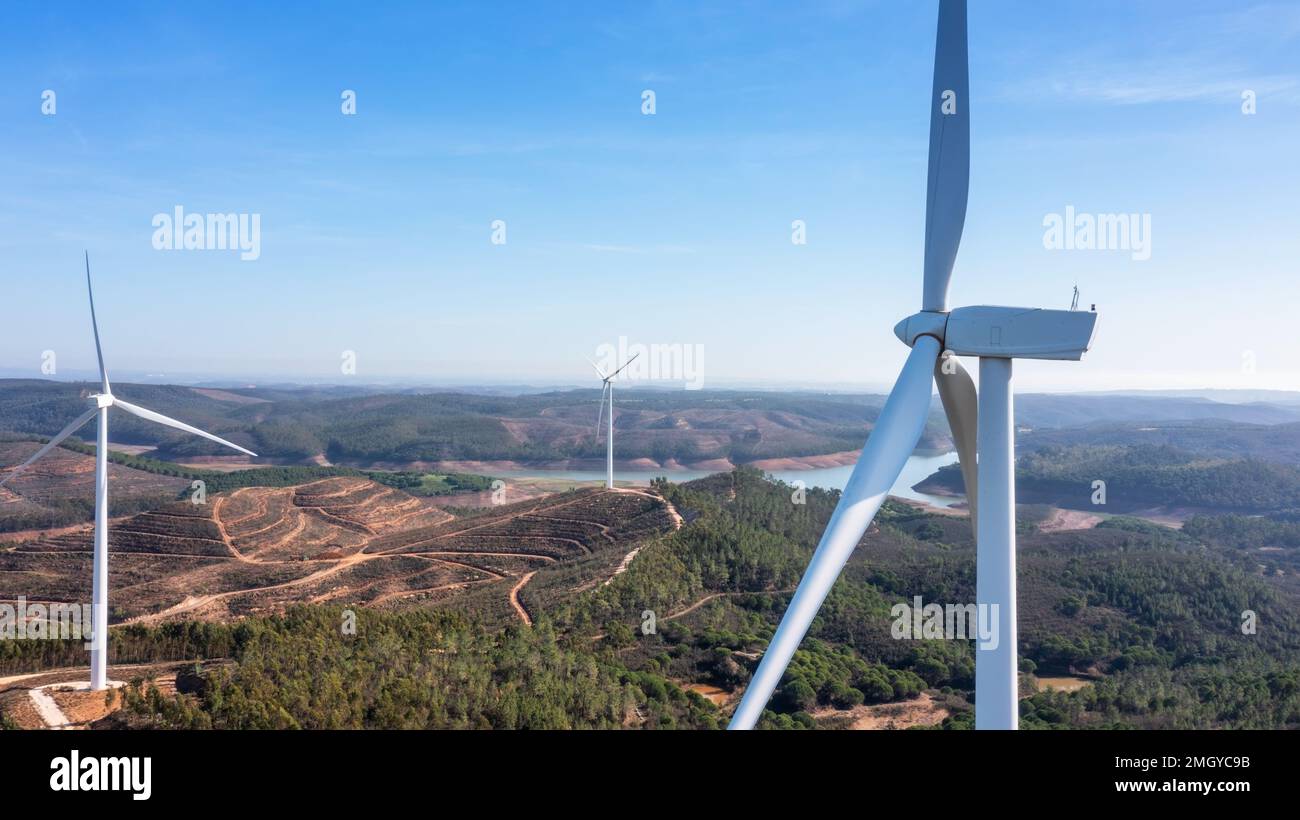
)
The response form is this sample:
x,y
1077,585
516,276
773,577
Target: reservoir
x,y
918,468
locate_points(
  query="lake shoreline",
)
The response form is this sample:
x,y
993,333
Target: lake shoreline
x,y
804,476
845,458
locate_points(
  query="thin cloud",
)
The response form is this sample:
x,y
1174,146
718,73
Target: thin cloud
x,y
637,249
1118,82
1189,61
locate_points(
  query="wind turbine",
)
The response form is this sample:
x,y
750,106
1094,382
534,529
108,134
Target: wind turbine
x,y
936,335
103,401
607,389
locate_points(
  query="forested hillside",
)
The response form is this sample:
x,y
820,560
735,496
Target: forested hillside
x,y
370,428
1153,618
396,428
1279,443
1140,476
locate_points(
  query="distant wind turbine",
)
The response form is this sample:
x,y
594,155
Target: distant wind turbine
x,y
103,401
607,389
996,335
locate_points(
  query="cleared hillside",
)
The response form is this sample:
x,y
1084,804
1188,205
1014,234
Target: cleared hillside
x,y
60,489
348,541
1144,622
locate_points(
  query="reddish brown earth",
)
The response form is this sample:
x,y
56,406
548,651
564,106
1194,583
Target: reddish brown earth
x,y
64,474
923,710
341,540
842,459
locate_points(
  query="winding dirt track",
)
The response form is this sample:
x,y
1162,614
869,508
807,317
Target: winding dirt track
x,y
678,521
53,716
333,565
688,610
516,603
221,526
409,550
622,566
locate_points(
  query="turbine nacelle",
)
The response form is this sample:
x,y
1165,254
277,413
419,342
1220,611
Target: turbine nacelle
x,y
982,424
102,400
1005,332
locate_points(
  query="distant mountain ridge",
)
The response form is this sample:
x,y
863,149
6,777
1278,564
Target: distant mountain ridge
x,y
1073,410
358,427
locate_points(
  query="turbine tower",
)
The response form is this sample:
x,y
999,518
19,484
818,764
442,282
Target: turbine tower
x,y
607,389
985,423
103,401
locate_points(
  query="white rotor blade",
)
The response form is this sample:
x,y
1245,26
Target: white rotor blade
x,y
891,442
150,415
961,406
599,372
948,180
94,324
52,443
601,414
625,364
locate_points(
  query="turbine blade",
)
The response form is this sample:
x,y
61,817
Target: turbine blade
x,y
625,364
893,439
52,443
961,406
601,413
594,367
150,415
948,182
94,324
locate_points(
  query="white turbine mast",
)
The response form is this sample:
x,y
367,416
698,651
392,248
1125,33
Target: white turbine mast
x,y
985,423
607,392
103,401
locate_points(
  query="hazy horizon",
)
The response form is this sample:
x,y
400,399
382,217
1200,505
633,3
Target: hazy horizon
x,y
518,387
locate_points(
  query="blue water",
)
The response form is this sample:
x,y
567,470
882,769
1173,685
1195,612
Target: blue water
x,y
830,478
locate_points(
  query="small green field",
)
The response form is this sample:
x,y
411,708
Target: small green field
x,y
430,484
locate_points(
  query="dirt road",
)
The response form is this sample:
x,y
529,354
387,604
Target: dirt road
x,y
516,603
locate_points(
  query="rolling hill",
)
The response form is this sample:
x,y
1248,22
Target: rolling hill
x,y
1145,620
1142,476
60,489
535,614
348,541
706,429
402,428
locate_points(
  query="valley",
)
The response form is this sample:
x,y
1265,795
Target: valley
x,y
704,430
550,603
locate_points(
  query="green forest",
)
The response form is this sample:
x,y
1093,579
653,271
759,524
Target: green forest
x,y
1138,476
1151,616
367,429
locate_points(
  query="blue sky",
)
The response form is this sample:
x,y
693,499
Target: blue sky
x,y
671,228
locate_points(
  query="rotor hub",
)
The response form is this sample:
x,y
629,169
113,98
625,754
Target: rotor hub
x,y
926,323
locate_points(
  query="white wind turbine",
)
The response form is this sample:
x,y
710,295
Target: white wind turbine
x,y
607,389
996,335
103,401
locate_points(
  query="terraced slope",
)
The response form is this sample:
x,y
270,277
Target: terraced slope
x,y
61,488
345,540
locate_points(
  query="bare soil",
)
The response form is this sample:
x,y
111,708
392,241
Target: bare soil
x,y
1061,519
258,550
841,459
922,710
